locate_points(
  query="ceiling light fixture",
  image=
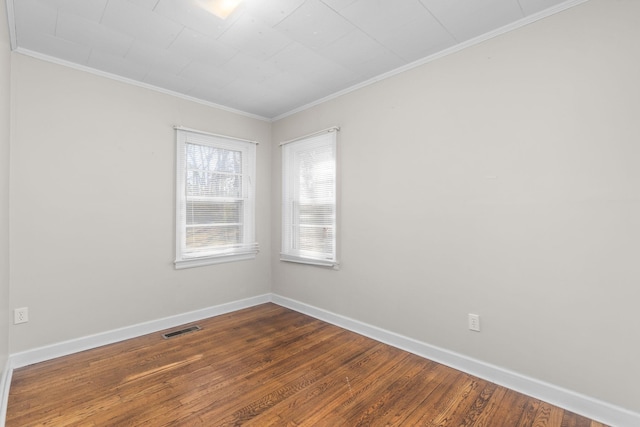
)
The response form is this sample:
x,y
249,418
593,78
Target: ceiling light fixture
x,y
220,8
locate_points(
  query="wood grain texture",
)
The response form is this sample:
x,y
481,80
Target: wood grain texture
x,y
264,366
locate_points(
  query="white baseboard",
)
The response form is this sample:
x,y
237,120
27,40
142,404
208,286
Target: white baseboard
x,y
5,382
575,402
64,348
567,399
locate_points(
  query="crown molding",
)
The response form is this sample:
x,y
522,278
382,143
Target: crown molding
x,y
451,50
129,81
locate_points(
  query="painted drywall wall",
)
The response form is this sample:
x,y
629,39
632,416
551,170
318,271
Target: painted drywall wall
x,y
501,180
92,205
5,85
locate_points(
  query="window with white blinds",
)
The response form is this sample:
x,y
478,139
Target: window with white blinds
x,y
215,199
309,200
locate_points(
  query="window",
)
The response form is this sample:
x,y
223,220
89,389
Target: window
x,y
309,200
215,199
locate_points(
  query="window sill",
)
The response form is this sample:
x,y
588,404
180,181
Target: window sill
x,y
218,259
311,261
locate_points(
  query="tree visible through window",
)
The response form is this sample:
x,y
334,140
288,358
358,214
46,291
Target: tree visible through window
x,y
215,199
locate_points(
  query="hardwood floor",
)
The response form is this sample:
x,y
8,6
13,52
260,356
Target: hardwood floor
x,y
264,366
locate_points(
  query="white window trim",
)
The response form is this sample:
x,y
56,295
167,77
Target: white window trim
x,y
249,248
217,259
311,261
288,254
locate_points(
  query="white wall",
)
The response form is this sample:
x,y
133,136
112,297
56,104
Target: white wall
x,y
92,206
501,180
518,159
5,85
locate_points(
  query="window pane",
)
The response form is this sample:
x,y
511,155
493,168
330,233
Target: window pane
x,y
208,158
316,239
317,173
203,237
208,184
204,212
316,214
309,200
215,199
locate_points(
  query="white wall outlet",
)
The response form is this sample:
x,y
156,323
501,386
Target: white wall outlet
x,y
474,322
20,315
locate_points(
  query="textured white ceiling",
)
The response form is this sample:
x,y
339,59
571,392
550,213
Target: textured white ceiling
x,y
269,57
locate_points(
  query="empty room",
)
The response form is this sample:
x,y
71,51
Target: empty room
x,y
320,212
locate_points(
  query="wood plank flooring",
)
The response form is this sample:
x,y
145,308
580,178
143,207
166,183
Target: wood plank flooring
x,y
264,366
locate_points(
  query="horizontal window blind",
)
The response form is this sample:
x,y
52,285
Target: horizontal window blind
x,y
215,199
309,200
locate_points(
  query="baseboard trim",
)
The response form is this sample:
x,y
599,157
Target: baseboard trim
x,y
567,399
65,348
5,383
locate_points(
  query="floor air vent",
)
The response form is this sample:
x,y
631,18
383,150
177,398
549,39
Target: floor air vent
x,y
181,332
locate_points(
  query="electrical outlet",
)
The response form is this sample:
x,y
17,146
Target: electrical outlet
x,y
20,315
474,322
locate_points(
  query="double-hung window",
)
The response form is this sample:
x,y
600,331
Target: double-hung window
x,y
309,200
215,199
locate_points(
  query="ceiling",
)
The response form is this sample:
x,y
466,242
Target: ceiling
x,y
270,57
